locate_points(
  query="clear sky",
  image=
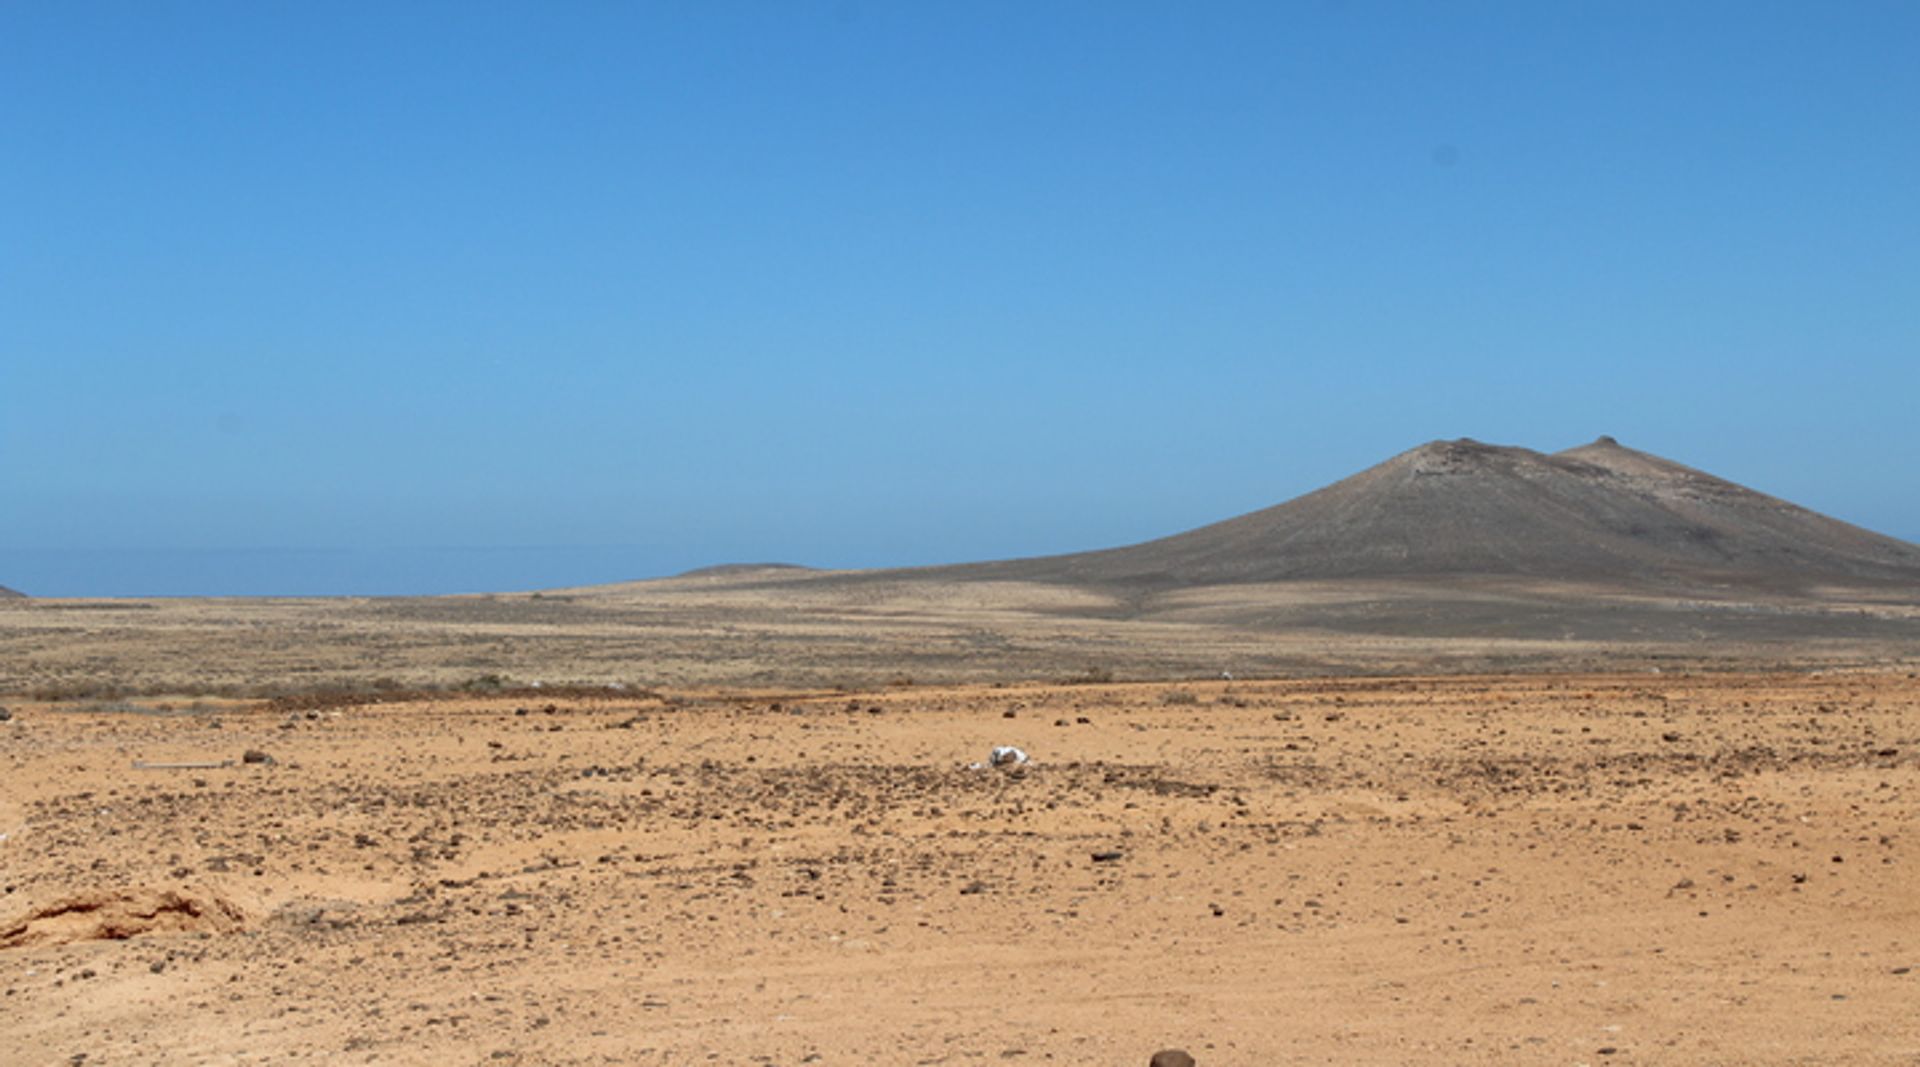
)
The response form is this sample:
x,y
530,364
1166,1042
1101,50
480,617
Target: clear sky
x,y
423,297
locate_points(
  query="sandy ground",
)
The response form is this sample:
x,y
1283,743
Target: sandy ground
x,y
1560,869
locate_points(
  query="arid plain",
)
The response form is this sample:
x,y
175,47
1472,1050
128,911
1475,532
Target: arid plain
x,y
1546,869
1481,756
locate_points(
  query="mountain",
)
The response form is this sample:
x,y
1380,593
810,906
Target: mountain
x,y
7,594
1455,509
735,570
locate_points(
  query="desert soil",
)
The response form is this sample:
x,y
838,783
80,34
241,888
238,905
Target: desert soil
x,y
1598,869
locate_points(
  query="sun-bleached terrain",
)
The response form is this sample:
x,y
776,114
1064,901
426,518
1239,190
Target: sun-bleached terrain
x,y
1553,869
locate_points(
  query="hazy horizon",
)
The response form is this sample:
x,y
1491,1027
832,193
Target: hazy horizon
x,y
862,285
422,570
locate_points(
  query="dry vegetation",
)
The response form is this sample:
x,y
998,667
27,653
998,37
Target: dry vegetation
x,y
858,630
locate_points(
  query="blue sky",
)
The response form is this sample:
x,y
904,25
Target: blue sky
x,y
470,296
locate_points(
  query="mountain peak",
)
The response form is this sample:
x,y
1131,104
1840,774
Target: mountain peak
x,y
1458,456
1601,512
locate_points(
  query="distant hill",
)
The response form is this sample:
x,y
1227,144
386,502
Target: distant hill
x,y
732,570
9,594
1450,509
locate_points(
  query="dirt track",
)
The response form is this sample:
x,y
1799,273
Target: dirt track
x,y
1571,869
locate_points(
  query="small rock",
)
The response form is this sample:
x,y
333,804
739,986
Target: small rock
x,y
1109,856
254,755
1171,1057
5,714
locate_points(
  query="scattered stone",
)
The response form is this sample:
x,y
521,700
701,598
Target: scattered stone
x,y
1109,856
1006,756
5,714
1171,1057
254,755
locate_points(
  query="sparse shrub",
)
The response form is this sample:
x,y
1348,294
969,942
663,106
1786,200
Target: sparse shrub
x,y
64,691
1180,697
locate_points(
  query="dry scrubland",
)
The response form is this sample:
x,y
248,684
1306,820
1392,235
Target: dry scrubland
x,y
1551,869
855,629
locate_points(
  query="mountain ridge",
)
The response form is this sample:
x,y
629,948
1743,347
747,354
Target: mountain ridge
x,y
1463,508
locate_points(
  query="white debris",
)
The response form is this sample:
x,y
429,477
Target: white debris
x,y
1007,754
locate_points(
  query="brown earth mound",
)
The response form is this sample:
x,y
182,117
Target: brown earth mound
x,y
1452,509
118,914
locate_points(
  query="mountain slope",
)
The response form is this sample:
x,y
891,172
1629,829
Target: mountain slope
x,y
1601,512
